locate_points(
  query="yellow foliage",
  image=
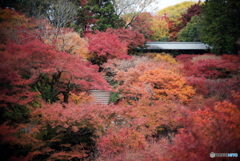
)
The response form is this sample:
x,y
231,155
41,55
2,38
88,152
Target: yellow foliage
x,y
177,10
160,28
164,57
72,43
127,18
81,98
65,39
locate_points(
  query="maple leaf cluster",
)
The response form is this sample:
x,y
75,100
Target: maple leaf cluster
x,y
211,75
166,108
211,129
38,68
114,43
143,24
152,79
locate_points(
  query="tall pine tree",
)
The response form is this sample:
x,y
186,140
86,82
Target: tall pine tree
x,y
221,25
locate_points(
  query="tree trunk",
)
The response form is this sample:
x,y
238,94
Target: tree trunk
x,y
66,95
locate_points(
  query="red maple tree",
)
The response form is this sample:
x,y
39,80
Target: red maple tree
x,y
43,65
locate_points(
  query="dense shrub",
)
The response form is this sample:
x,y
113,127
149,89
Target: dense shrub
x,y
104,45
210,75
214,129
164,57
167,85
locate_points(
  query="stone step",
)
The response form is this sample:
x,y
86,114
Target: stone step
x,y
101,97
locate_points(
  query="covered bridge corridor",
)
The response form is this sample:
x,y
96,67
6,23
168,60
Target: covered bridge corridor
x,y
176,48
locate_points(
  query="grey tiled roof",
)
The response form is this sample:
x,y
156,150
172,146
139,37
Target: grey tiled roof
x,y
177,46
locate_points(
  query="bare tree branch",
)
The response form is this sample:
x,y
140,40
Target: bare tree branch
x,y
131,7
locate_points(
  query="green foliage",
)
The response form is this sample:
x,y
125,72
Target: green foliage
x,y
15,114
179,15
221,25
191,32
113,97
99,13
65,141
165,39
46,89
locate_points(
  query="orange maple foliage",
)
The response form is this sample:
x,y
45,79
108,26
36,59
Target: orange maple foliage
x,y
72,43
156,118
168,85
64,39
12,25
81,98
13,19
152,79
130,86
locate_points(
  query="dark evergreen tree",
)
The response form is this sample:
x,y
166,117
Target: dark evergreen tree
x,y
99,15
221,25
190,32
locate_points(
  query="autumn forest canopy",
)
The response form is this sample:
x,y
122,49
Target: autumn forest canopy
x,y
161,107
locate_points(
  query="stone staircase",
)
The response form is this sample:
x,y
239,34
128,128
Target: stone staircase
x,y
102,97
